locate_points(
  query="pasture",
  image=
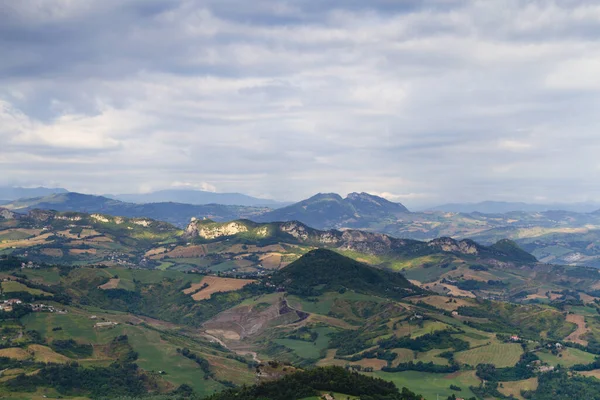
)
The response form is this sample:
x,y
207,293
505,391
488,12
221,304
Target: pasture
x,y
12,286
308,350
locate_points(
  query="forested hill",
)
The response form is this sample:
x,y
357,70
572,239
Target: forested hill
x,y
306,384
323,270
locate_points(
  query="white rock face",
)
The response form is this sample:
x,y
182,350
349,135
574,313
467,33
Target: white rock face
x,y
451,245
142,222
100,218
63,218
229,229
262,231
6,214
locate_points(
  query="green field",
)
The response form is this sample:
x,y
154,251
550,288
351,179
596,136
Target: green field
x,y
308,350
432,356
11,286
431,385
324,303
567,358
14,235
500,354
50,276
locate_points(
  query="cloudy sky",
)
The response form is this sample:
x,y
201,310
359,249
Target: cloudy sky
x,y
425,101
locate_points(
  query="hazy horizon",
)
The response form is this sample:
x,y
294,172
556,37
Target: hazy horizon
x,y
422,102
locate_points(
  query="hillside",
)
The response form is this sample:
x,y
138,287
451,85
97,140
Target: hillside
x,y
320,271
249,249
214,333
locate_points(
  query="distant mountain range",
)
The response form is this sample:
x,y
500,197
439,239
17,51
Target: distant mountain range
x,y
197,197
8,194
175,213
559,237
502,207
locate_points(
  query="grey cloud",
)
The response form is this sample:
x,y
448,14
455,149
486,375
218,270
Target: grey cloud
x,y
442,100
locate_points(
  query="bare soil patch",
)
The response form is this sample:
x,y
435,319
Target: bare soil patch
x,y
580,331
76,252
52,252
111,284
216,285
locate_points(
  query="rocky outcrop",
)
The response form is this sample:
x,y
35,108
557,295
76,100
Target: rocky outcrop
x,y
7,214
220,230
452,246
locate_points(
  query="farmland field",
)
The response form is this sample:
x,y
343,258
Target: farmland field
x,y
306,349
568,357
500,354
216,285
514,388
430,385
12,286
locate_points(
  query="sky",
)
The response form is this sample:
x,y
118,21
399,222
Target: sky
x,y
423,102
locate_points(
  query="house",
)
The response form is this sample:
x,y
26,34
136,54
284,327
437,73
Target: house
x,y
455,313
515,338
558,346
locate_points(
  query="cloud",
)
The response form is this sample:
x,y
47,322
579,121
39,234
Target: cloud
x,y
446,99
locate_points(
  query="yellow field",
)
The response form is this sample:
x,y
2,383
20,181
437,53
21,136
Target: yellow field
x,y
46,354
500,354
15,352
216,285
111,284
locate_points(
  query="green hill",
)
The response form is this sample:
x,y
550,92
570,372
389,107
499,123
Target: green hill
x,y
322,270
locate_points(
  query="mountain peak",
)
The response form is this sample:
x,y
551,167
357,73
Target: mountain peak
x,y
370,200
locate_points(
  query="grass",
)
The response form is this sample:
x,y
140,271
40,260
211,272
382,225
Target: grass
x,y
417,331
568,357
308,350
74,326
224,266
12,286
325,303
432,356
431,385
514,388
500,354
50,276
